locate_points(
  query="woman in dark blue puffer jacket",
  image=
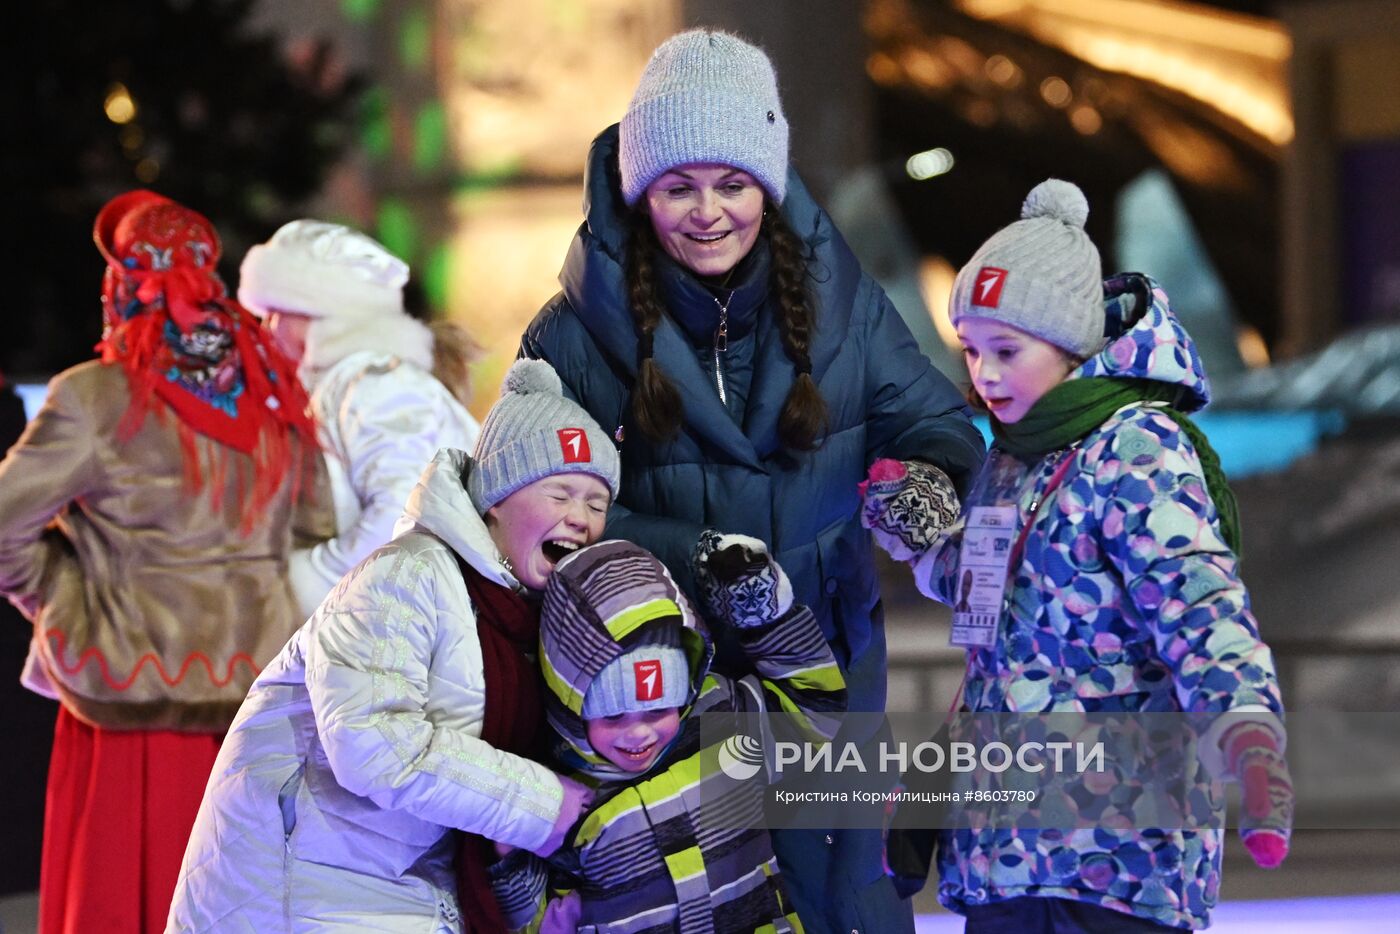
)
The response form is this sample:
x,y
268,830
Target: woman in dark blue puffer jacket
x,y
714,320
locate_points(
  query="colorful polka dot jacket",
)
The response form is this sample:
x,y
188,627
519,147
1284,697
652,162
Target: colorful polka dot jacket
x,y
1125,599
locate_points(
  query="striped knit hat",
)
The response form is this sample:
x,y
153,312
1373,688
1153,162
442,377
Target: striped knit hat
x,y
1041,275
617,635
705,96
533,432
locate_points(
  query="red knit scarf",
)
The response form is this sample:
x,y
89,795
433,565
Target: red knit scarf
x,y
509,628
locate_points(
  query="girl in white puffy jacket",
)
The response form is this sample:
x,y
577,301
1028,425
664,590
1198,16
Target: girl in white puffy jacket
x,y
406,707
334,300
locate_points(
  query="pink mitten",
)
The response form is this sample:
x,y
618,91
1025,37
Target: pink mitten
x,y
1252,753
883,470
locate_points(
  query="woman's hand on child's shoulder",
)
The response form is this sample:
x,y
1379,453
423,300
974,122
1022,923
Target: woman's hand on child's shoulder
x,y
577,799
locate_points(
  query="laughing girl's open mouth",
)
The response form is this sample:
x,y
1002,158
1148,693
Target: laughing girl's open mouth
x,y
556,550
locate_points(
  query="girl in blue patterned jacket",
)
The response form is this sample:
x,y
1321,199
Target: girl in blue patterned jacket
x,y
1120,590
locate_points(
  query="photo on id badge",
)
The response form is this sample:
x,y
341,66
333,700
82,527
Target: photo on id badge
x,y
982,564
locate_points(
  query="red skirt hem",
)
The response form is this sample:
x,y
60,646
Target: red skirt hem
x,y
118,813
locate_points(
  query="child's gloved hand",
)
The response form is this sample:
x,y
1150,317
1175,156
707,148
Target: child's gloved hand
x,y
577,798
561,916
906,504
739,581
1252,753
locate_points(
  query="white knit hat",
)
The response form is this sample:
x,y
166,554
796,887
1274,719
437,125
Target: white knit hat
x,y
1041,275
319,269
705,96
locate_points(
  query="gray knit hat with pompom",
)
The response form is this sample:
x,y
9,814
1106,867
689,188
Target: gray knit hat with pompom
x,y
1041,275
705,96
533,432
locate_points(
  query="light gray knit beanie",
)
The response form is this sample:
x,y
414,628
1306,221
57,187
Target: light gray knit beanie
x,y
648,677
533,432
705,96
1041,275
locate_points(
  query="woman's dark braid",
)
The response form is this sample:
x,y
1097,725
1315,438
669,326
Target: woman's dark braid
x,y
656,403
804,418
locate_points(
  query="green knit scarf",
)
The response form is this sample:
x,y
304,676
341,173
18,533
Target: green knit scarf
x,y
1069,411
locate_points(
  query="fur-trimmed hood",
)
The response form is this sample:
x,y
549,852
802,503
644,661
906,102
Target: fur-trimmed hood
x,y
335,337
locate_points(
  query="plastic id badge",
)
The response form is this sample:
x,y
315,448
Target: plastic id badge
x,y
982,571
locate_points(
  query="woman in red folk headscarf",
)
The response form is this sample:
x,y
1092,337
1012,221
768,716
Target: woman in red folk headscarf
x,y
145,519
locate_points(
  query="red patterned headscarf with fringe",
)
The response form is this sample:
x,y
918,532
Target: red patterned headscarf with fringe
x,y
179,338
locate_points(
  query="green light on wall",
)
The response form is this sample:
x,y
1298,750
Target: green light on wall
x,y
359,10
429,137
437,276
491,175
415,40
398,230
376,135
569,14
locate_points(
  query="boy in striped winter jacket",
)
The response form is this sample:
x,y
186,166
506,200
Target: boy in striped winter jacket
x,y
627,662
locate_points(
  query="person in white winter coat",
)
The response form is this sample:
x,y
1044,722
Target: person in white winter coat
x,y
404,709
333,298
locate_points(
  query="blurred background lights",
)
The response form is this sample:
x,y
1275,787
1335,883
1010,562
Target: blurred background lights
x,y
1234,63
147,171
936,277
119,106
1003,71
132,137
883,69
1085,119
359,10
927,164
1056,91
1252,348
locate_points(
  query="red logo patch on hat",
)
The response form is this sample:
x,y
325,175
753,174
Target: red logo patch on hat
x,y
574,443
986,291
648,676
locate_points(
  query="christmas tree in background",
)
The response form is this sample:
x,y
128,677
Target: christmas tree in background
x,y
174,95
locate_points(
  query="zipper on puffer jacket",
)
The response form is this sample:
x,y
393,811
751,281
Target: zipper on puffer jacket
x,y
722,345
286,803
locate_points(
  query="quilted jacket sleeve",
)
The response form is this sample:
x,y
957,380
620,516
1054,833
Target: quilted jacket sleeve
x,y
1158,526
520,882
370,652
390,422
54,462
797,671
915,412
